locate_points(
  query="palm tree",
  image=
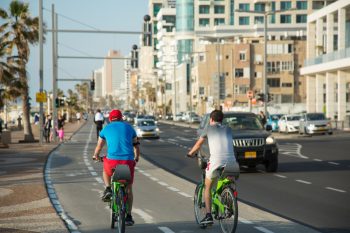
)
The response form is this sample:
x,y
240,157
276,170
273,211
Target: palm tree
x,y
23,31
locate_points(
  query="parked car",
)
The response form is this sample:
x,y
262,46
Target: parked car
x,y
146,128
194,118
289,124
253,144
151,117
273,121
314,123
169,117
178,117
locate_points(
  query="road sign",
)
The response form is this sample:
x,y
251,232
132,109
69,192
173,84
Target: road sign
x,y
250,94
41,97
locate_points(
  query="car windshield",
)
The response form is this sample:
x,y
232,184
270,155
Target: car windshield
x,y
276,117
242,122
145,123
293,118
315,117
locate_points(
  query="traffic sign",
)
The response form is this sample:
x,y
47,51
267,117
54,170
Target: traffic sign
x,y
250,94
41,97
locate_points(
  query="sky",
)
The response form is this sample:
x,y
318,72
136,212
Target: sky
x,y
116,15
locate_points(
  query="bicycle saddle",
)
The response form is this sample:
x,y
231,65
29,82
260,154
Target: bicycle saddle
x,y
121,173
231,169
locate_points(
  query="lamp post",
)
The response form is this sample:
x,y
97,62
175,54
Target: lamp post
x,y
265,13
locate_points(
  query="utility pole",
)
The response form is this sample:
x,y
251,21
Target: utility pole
x,y
54,70
41,70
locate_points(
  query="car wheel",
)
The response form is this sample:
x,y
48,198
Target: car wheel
x,y
330,133
271,165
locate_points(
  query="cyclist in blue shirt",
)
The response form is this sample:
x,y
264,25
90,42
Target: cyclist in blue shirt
x,y
122,142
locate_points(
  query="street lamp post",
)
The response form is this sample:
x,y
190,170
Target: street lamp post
x,y
265,13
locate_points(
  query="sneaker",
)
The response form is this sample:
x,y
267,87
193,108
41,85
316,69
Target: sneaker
x,y
107,194
207,220
129,221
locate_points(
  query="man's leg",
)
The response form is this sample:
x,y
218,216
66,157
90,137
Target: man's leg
x,y
207,195
130,198
106,179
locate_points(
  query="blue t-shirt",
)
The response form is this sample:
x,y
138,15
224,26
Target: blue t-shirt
x,y
119,137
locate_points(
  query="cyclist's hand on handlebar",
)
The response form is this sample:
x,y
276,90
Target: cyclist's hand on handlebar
x,y
191,155
97,158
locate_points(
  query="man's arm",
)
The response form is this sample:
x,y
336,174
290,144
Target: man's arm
x,y
136,145
98,148
196,146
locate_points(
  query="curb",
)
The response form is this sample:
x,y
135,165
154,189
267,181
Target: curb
x,y
69,223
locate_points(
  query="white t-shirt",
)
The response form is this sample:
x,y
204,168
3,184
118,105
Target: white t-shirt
x,y
99,117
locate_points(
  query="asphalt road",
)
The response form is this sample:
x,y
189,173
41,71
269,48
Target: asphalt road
x,y
163,200
311,186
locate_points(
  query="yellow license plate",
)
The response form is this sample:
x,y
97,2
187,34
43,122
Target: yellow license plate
x,y
250,154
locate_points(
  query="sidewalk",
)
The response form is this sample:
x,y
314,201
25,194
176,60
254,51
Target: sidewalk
x,y
24,203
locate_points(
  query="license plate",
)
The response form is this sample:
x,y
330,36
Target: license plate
x,y
250,154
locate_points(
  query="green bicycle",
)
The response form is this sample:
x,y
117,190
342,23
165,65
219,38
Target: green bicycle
x,y
118,204
224,198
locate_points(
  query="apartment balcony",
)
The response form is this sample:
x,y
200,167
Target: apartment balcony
x,y
329,62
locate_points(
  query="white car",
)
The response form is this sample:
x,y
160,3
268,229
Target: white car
x,y
289,124
146,128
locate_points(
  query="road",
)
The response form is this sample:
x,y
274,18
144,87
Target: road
x,y
305,190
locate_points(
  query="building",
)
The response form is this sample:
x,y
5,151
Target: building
x,y
98,77
327,68
113,73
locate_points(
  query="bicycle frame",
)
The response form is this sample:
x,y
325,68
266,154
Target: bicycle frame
x,y
115,188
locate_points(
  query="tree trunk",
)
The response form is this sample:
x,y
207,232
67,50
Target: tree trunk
x,y
28,133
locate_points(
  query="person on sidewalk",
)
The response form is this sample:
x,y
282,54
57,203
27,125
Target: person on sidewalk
x,y
47,128
219,138
78,115
60,124
122,148
99,120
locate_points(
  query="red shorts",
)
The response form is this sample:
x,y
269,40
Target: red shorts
x,y
109,164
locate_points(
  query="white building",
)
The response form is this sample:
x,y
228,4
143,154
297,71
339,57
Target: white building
x,y
98,76
327,68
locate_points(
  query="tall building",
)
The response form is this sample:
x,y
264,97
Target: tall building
x,y
98,77
113,73
327,68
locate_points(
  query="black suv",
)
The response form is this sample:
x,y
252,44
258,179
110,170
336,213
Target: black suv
x,y
253,144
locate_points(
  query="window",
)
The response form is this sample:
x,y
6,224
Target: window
x,y
286,5
258,19
244,6
204,9
201,90
239,73
301,5
259,7
219,9
286,19
219,21
203,22
301,18
156,8
287,85
273,82
244,20
242,56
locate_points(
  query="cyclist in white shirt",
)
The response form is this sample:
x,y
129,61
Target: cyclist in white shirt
x,y
99,120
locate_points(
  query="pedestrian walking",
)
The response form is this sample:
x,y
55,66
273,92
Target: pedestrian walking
x,y
47,128
60,124
78,115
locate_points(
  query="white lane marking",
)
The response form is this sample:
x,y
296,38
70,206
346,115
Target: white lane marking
x,y
184,139
99,180
146,217
163,183
263,229
90,168
245,221
173,140
280,176
154,179
333,163
303,181
292,149
161,140
166,230
184,194
173,189
93,173
146,174
318,160
337,190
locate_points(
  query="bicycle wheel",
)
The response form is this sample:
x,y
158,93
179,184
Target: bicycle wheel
x,y
229,219
112,207
120,210
199,204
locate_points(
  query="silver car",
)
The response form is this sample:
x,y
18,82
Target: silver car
x,y
146,128
314,123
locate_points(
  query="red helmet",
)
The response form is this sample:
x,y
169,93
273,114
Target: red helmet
x,y
115,114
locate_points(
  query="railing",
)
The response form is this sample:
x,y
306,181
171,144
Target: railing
x,y
333,56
